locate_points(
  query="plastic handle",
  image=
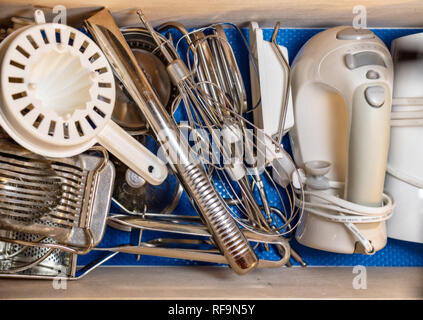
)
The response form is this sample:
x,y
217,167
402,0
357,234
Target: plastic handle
x,y
368,148
132,153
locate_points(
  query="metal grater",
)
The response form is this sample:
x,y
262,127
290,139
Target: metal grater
x,y
31,261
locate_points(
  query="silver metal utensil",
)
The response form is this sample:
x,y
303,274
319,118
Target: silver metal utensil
x,y
65,200
197,184
33,261
153,63
186,248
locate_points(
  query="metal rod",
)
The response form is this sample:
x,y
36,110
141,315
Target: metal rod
x,y
285,65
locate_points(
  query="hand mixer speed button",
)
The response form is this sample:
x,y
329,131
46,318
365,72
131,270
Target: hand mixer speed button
x,y
375,96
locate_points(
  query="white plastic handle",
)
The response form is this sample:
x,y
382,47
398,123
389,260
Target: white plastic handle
x,y
132,153
368,147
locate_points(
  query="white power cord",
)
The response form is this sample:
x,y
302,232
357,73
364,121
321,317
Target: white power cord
x,y
408,118
339,210
409,179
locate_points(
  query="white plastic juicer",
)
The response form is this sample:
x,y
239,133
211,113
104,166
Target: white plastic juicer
x,y
341,88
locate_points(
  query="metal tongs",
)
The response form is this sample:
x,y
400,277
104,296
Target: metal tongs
x,y
189,226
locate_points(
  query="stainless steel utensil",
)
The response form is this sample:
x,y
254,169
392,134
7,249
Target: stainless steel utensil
x,y
32,261
197,184
214,100
215,65
65,200
152,62
186,248
131,191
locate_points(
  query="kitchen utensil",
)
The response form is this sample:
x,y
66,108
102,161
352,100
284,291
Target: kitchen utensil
x,y
229,75
57,97
404,179
134,195
213,210
65,200
32,261
214,65
341,88
269,72
180,248
153,63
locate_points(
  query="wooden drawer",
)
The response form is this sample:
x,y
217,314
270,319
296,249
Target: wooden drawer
x,y
215,282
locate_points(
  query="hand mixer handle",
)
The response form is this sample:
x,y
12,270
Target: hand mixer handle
x,y
132,153
369,143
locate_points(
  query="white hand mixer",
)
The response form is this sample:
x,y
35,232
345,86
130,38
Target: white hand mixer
x,y
342,88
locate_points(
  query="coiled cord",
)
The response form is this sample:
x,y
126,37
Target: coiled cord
x,y
338,210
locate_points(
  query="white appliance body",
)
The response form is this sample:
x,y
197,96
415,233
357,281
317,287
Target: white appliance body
x,y
341,89
267,86
404,179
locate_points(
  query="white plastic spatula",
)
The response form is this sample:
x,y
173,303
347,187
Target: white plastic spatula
x,y
57,96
